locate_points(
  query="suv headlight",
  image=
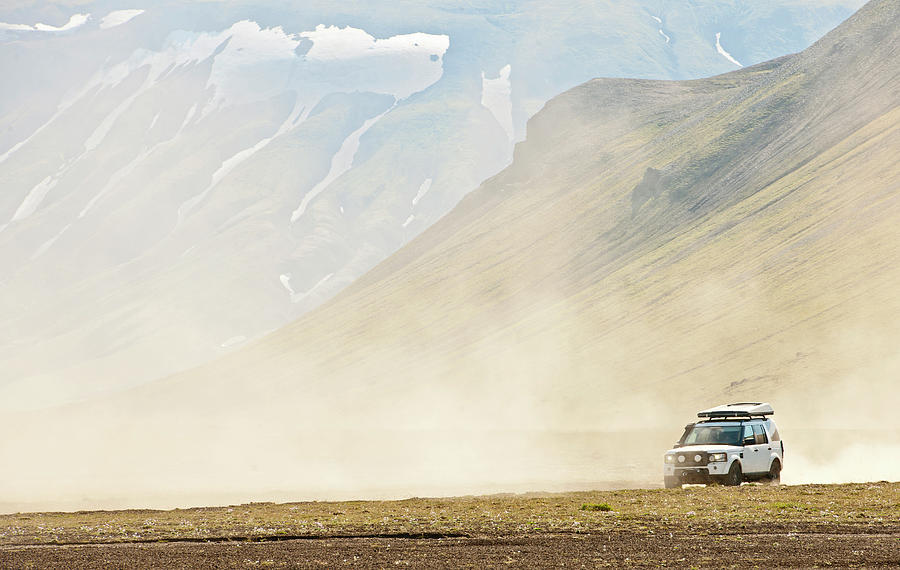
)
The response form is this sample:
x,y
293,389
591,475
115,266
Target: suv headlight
x,y
670,459
717,457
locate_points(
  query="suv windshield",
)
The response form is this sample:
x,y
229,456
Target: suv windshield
x,y
723,435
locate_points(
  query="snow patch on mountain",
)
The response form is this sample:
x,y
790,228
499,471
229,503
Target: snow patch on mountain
x,y
34,199
103,129
118,17
423,189
285,279
225,168
334,43
17,27
75,21
341,162
661,32
49,243
187,118
116,177
339,59
353,60
724,53
496,96
253,64
297,297
235,340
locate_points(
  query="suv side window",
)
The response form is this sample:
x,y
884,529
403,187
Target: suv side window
x,y
760,434
775,435
748,432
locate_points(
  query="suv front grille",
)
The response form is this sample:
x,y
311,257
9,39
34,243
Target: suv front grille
x,y
691,459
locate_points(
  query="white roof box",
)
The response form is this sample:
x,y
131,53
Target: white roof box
x,y
738,410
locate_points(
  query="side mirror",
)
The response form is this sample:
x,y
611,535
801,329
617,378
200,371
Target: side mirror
x,y
676,446
749,441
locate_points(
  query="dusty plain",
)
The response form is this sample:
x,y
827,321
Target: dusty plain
x,y
850,525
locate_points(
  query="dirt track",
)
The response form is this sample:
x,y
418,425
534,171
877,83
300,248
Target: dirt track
x,y
845,525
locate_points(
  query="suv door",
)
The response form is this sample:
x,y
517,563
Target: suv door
x,y
761,450
750,456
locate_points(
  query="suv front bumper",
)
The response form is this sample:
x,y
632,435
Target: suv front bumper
x,y
707,474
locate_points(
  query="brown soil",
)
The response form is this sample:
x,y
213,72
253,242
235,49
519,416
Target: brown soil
x,y
764,526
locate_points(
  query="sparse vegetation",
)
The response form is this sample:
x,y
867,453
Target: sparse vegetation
x,y
782,505
748,505
596,507
649,527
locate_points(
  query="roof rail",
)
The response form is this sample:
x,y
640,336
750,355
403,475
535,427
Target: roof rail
x,y
730,418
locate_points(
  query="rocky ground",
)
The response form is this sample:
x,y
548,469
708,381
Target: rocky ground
x,y
753,525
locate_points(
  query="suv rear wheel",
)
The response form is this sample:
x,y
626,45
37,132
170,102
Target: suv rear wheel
x,y
775,472
735,475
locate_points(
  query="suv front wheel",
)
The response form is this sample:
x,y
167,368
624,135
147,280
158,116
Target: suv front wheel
x,y
735,475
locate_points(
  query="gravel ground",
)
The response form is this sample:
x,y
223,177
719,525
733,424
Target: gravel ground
x,y
762,526
623,548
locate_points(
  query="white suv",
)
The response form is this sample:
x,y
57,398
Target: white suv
x,y
731,444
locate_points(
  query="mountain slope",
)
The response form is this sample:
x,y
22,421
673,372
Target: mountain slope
x,y
745,208
180,183
655,247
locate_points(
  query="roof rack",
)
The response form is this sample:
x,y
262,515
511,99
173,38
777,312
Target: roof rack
x,y
740,410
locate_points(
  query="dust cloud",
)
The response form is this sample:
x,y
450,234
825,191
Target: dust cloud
x,y
560,404
865,461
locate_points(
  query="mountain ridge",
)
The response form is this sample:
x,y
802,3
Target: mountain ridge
x,y
476,207
155,171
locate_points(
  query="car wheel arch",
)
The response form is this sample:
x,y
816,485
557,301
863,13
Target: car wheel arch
x,y
735,475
